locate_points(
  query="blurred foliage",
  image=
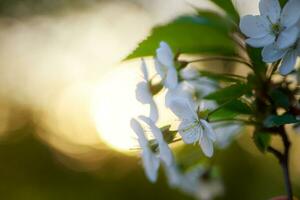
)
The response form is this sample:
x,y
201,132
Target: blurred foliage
x,y
29,170
23,8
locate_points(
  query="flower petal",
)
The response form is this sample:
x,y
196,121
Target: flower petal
x,y
255,26
287,37
226,132
144,70
208,130
151,165
272,53
270,9
153,111
173,175
206,145
164,54
154,129
171,80
183,108
261,42
142,93
137,128
160,69
189,131
164,151
290,13
182,90
189,72
288,62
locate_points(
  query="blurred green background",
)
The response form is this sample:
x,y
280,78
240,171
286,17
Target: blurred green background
x,y
52,52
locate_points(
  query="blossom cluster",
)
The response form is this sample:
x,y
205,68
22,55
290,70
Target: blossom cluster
x,y
184,91
212,108
275,30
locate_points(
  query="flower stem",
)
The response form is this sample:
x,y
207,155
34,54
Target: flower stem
x,y
283,159
221,58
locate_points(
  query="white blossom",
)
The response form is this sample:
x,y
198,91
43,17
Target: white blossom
x,y
143,92
165,66
193,129
196,184
164,152
150,160
226,132
289,56
273,25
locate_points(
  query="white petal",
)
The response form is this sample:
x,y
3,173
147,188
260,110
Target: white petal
x,y
165,154
287,37
160,69
255,26
173,175
271,9
208,130
206,145
226,132
144,70
153,111
142,93
190,132
154,129
290,13
261,42
183,108
171,80
272,53
189,73
164,150
164,54
182,90
151,165
137,128
288,62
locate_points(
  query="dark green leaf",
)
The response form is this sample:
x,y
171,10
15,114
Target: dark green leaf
x,y
188,34
259,66
262,140
225,94
282,3
274,120
280,98
230,110
229,8
223,114
239,107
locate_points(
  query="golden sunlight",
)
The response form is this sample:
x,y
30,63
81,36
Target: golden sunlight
x,y
113,106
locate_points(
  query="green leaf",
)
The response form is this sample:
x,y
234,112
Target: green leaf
x,y
188,34
282,3
239,107
259,67
229,8
230,110
223,114
221,77
217,20
280,98
262,140
274,120
225,94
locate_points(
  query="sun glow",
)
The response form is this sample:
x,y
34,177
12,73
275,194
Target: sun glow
x,y
113,106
